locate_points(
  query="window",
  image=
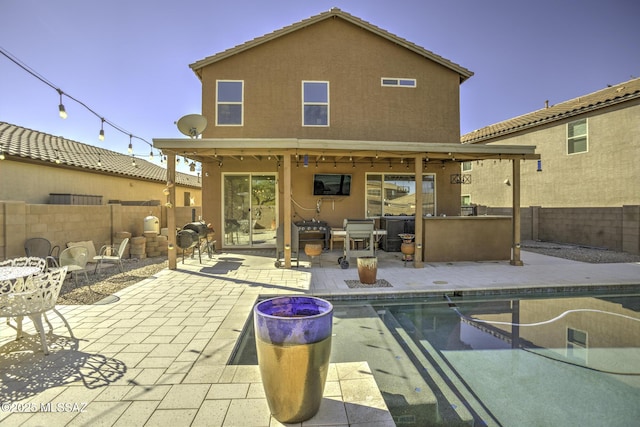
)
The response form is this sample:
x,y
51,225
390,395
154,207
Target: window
x,y
315,103
230,95
577,137
386,81
467,166
395,194
466,200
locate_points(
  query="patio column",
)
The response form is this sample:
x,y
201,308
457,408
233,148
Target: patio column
x,y
417,256
287,210
515,222
171,211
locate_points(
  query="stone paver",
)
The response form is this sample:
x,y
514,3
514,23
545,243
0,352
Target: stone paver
x,y
158,355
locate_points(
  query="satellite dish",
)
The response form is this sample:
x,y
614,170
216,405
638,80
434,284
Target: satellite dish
x,y
192,125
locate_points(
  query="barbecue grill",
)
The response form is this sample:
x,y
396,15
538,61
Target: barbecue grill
x,y
193,235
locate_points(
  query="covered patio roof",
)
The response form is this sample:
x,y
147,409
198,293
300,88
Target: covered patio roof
x,y
200,149
423,153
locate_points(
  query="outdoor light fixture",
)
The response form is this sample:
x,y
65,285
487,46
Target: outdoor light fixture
x,y
306,161
192,167
1,155
151,155
130,149
539,166
101,135
99,161
61,110
133,161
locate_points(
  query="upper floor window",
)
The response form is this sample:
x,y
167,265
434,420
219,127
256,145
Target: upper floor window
x,y
467,166
315,103
577,137
390,81
230,96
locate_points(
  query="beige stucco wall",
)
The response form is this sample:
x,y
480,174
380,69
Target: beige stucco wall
x,y
32,183
353,61
478,238
605,176
333,209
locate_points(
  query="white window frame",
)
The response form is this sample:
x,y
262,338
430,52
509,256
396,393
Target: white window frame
x,y
398,82
241,103
327,104
585,136
466,166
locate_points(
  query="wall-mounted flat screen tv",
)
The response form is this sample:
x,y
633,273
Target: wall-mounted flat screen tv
x,y
331,184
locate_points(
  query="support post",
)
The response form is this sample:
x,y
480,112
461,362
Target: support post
x,y
171,211
287,210
515,222
417,256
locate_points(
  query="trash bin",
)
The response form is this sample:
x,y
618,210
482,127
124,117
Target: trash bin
x,y
293,342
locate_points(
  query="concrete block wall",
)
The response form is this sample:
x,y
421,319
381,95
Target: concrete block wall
x,y
614,228
598,227
61,224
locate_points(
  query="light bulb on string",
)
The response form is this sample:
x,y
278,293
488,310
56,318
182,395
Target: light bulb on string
x,y
61,110
151,155
99,161
101,135
130,149
133,161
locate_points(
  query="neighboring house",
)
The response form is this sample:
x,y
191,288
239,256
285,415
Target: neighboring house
x,y
39,168
586,182
319,121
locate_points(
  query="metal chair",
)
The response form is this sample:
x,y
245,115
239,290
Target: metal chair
x,y
111,255
42,248
33,298
75,259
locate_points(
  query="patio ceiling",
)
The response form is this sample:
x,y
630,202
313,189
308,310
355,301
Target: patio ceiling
x,y
203,149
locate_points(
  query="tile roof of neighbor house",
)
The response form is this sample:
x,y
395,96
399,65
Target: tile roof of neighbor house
x,y
611,95
334,12
30,145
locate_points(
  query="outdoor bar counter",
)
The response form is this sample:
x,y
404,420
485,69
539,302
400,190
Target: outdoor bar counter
x,y
466,238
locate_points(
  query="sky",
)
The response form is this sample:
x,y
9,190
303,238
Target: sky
x,y
129,60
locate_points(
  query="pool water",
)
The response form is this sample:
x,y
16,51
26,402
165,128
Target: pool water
x,y
521,361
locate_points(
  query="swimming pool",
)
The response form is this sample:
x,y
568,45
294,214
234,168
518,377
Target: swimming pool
x,y
516,361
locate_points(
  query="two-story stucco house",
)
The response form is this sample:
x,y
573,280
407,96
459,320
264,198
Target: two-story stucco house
x,y
584,189
327,119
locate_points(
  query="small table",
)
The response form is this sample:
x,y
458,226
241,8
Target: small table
x,y
13,273
339,234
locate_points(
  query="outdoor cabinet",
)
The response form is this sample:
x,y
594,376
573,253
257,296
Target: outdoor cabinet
x,y
395,225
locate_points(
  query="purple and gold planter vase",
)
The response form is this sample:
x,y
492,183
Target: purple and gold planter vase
x,y
293,341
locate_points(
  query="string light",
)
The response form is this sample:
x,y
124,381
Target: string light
x,y
61,110
101,135
151,155
133,161
99,161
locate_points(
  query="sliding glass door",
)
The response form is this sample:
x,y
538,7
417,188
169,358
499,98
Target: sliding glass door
x,y
250,210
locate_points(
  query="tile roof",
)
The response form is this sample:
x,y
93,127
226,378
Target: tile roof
x,y
334,12
20,142
611,95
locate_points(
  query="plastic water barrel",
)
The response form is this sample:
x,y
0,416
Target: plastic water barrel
x,y
152,223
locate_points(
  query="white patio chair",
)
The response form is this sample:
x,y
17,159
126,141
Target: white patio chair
x,y
31,261
111,255
33,298
75,259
